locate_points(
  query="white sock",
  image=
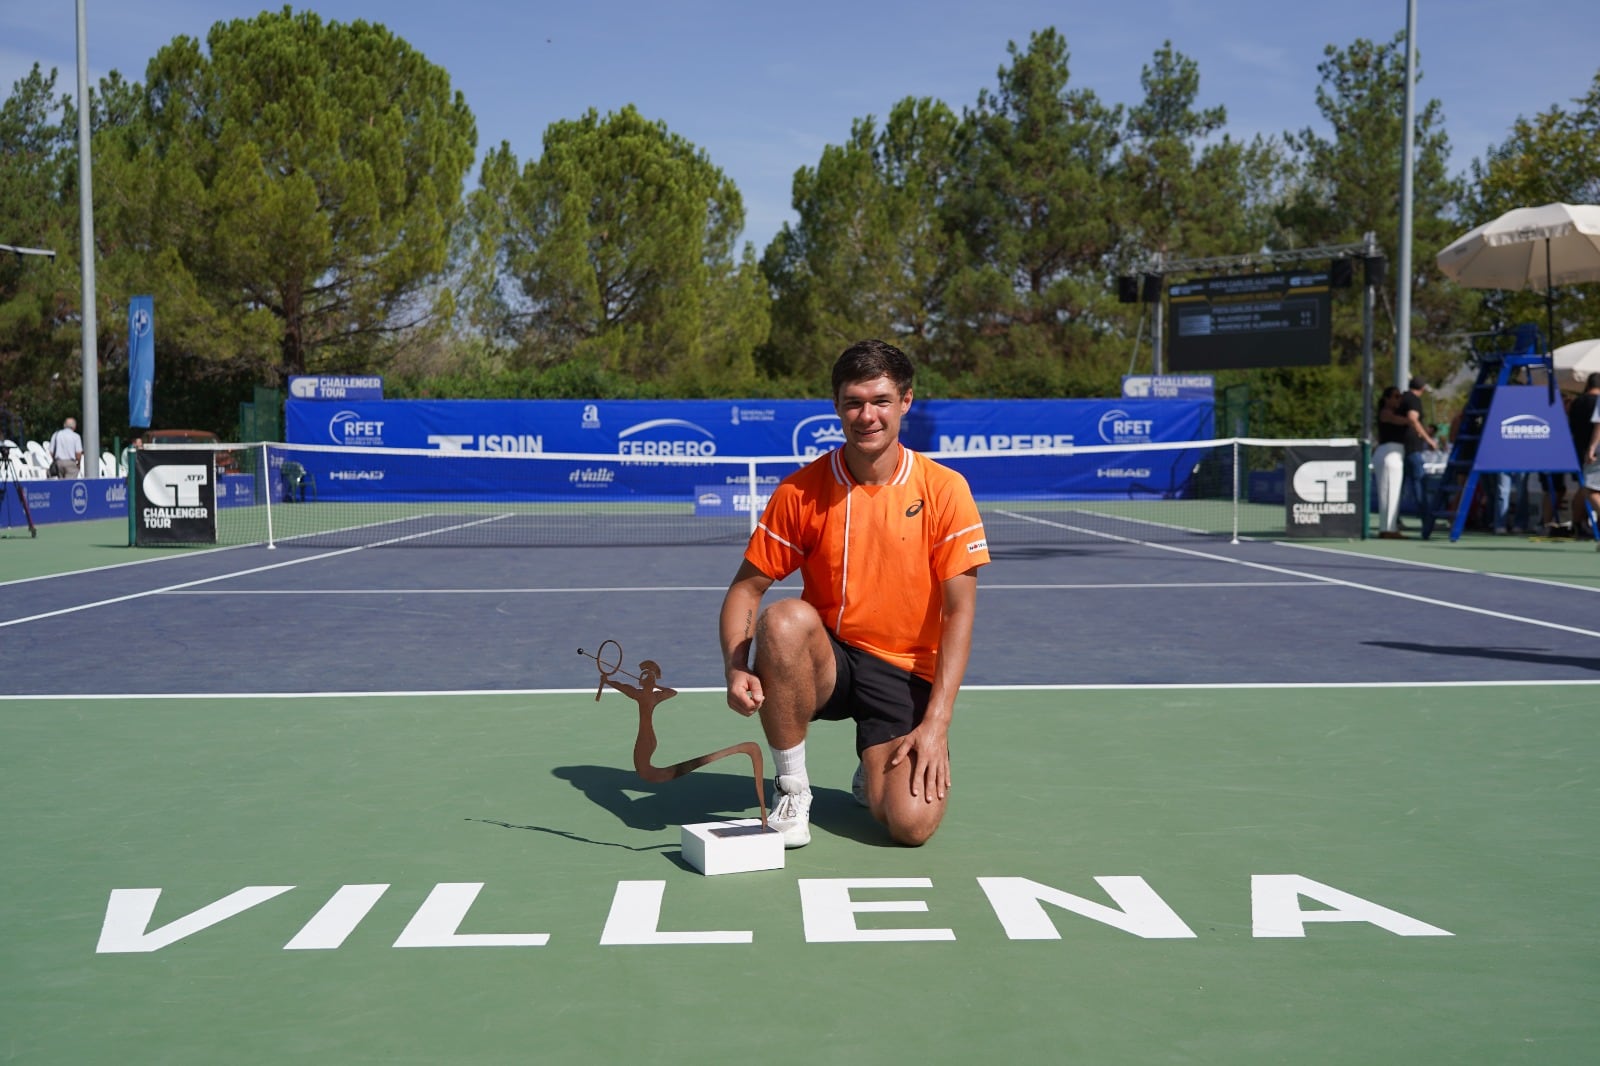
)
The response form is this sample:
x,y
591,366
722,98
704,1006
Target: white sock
x,y
791,762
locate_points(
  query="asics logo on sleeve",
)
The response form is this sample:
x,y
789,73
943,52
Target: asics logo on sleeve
x,y
914,509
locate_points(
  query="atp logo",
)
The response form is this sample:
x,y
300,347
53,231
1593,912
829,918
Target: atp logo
x,y
1324,480
175,485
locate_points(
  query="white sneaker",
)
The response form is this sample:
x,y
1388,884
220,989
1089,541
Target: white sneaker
x,y
791,811
858,785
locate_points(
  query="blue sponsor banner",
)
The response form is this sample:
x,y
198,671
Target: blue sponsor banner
x,y
64,500
715,500
655,442
141,360
336,387
1525,430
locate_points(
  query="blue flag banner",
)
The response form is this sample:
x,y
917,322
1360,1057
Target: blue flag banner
x,y
141,360
1525,431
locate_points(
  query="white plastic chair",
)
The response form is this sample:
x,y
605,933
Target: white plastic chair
x,y
108,465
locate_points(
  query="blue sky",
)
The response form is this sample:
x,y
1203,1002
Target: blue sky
x,y
762,87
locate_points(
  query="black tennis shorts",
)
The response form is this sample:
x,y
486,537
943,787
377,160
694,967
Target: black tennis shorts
x,y
885,701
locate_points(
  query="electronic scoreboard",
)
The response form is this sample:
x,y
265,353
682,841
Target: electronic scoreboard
x,y
1253,320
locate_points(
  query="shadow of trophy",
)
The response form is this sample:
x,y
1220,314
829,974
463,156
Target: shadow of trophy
x,y
738,845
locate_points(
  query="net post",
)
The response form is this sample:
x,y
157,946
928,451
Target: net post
x,y
266,492
1364,471
750,471
1235,491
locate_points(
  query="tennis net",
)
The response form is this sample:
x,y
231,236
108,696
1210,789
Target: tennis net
x,y
321,496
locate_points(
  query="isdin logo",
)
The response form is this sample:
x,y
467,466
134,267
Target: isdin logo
x,y
175,485
1324,480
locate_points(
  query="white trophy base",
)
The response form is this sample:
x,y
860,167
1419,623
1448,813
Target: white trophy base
x,y
733,847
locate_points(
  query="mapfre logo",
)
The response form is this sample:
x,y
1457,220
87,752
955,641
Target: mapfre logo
x,y
1324,480
176,485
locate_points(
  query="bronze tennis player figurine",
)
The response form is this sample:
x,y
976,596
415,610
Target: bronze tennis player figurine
x,y
648,695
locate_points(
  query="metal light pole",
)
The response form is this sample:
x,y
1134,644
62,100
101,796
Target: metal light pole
x,y
91,365
1402,303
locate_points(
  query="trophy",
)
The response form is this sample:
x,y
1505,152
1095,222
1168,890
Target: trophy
x,y
738,845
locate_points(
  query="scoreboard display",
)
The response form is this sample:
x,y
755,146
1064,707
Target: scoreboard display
x,y
1253,320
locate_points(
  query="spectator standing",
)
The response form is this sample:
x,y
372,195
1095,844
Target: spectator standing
x,y
1418,442
66,450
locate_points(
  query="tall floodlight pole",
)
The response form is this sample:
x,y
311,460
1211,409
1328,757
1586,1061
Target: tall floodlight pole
x,y
1402,303
91,371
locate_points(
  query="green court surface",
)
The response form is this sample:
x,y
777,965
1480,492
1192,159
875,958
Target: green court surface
x,y
1372,820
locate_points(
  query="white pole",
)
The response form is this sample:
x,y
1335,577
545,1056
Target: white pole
x,y
1236,490
91,365
265,483
1402,303
754,512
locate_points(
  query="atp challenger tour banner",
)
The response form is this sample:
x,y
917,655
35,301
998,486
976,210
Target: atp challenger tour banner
x,y
651,447
174,497
1322,497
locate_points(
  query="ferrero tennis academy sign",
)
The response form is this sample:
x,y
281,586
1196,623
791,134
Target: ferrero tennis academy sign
x,y
1322,493
174,497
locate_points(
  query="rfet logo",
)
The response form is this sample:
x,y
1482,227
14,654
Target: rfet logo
x,y
348,427
1119,427
1324,480
175,485
818,434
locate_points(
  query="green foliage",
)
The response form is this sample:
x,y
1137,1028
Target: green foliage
x,y
1553,157
1040,218
1349,185
874,248
289,190
619,245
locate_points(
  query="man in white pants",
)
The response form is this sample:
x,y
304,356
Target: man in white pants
x,y
1390,462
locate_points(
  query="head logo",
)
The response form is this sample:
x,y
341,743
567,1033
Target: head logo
x,y
818,434
1324,480
1524,427
914,510
348,427
1119,427
666,438
175,485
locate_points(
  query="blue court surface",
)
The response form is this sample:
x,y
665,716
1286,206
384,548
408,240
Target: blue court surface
x,y
1246,803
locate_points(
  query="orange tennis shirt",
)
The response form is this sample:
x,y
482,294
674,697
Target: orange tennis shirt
x,y
873,556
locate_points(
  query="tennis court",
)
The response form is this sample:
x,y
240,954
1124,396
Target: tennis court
x,y
1214,802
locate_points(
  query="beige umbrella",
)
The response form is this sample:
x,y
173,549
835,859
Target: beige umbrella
x,y
1529,248
1575,362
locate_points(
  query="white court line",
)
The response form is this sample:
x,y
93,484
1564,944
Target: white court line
x,y
589,690
1503,616
237,573
1080,586
1437,566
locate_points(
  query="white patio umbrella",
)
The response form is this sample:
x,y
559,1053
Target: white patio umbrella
x,y
1529,248
1575,362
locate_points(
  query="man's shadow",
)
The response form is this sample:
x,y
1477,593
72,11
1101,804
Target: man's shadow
x,y
703,796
